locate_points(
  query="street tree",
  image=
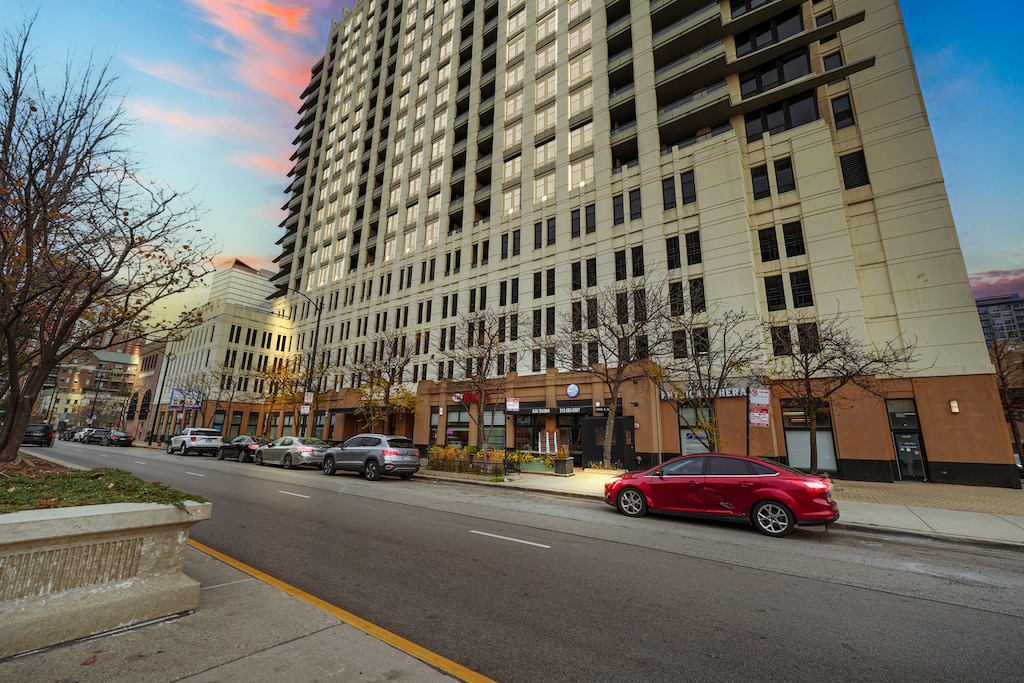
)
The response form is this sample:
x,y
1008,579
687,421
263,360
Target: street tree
x,y
476,350
383,394
828,357
614,333
712,351
1007,357
284,382
88,244
229,385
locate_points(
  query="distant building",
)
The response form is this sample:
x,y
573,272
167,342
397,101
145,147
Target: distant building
x,y
774,157
1002,317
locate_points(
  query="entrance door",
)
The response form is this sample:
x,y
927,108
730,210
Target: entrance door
x,y
623,451
910,456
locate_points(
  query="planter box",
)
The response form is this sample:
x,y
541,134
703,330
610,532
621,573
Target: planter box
x,y
67,573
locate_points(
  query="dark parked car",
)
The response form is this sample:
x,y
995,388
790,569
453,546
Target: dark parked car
x,y
39,435
243,447
116,438
771,497
97,435
291,451
373,455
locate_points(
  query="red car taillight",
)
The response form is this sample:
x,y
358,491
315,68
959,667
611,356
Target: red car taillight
x,y
253,447
305,449
387,451
816,485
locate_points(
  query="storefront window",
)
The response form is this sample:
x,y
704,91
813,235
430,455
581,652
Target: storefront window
x,y
494,426
798,439
688,441
457,427
236,424
528,429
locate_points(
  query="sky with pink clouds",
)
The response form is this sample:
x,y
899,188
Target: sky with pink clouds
x,y
214,87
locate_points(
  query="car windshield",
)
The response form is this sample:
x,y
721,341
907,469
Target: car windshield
x,y
207,432
401,442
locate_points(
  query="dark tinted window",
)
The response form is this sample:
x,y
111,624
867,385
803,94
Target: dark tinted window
x,y
686,466
728,466
401,442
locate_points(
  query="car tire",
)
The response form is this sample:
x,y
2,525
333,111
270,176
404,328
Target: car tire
x,y
406,475
631,502
170,449
182,450
772,518
242,457
371,472
220,454
286,462
328,466
258,459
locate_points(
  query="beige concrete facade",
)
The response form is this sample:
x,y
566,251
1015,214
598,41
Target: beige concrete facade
x,y
444,148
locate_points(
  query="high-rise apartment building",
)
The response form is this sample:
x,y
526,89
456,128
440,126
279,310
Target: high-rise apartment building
x,y
773,156
1002,317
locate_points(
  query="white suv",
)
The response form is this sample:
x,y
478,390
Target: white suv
x,y
195,440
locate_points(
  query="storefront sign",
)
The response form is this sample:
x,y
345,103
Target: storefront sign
x,y
537,411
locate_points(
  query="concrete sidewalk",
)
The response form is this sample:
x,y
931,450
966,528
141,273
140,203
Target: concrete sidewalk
x,y
252,630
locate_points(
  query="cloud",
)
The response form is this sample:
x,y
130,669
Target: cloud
x,y
275,166
176,74
997,283
221,127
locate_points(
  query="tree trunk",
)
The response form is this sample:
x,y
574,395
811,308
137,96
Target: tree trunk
x,y
609,432
813,420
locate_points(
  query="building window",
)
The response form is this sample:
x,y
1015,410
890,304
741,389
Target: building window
x,y
620,265
689,183
842,112
775,293
591,216
676,298
800,283
537,320
549,320
668,193
782,342
775,73
807,336
769,245
551,231
536,360
538,235
698,302
793,235
591,272
618,209
672,253
575,229
550,282
516,242
833,61
759,181
781,116
638,261
701,341
679,349
635,210
577,275
537,286
855,170
785,181
693,251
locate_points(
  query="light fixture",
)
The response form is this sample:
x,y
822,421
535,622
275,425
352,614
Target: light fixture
x,y
954,406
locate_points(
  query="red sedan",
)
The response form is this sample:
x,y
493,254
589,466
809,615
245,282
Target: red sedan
x,y
771,497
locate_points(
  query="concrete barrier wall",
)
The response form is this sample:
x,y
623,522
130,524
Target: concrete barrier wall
x,y
67,573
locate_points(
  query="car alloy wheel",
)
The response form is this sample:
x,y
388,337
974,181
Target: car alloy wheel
x,y
170,449
259,459
220,453
286,462
773,519
631,502
370,470
328,467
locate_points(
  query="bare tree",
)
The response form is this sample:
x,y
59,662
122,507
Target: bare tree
x,y
711,351
477,352
195,389
284,382
87,246
1007,357
613,333
827,358
382,392
229,385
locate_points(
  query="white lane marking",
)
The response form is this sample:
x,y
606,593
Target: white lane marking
x,y
506,538
297,495
194,474
140,462
103,455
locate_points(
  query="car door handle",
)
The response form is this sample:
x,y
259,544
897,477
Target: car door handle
x,y
746,484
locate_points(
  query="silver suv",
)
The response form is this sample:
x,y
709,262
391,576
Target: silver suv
x,y
373,455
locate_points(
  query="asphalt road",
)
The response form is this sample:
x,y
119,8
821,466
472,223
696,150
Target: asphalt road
x,y
532,587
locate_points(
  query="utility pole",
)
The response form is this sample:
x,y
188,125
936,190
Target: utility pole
x,y
319,308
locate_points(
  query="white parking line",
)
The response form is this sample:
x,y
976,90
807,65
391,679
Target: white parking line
x,y
194,474
103,455
506,538
297,495
140,462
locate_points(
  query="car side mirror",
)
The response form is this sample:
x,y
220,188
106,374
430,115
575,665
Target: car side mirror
x,y
658,473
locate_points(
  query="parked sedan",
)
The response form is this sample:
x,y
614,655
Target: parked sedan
x,y
38,435
243,447
373,455
292,451
116,438
97,435
771,497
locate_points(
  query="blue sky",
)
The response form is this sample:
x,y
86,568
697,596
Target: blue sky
x,y
214,85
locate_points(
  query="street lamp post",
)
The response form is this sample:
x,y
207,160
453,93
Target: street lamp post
x,y
168,357
319,308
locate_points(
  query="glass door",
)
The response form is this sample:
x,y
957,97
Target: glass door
x,y
911,463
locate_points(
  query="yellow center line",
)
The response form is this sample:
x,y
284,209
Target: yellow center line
x,y
407,646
